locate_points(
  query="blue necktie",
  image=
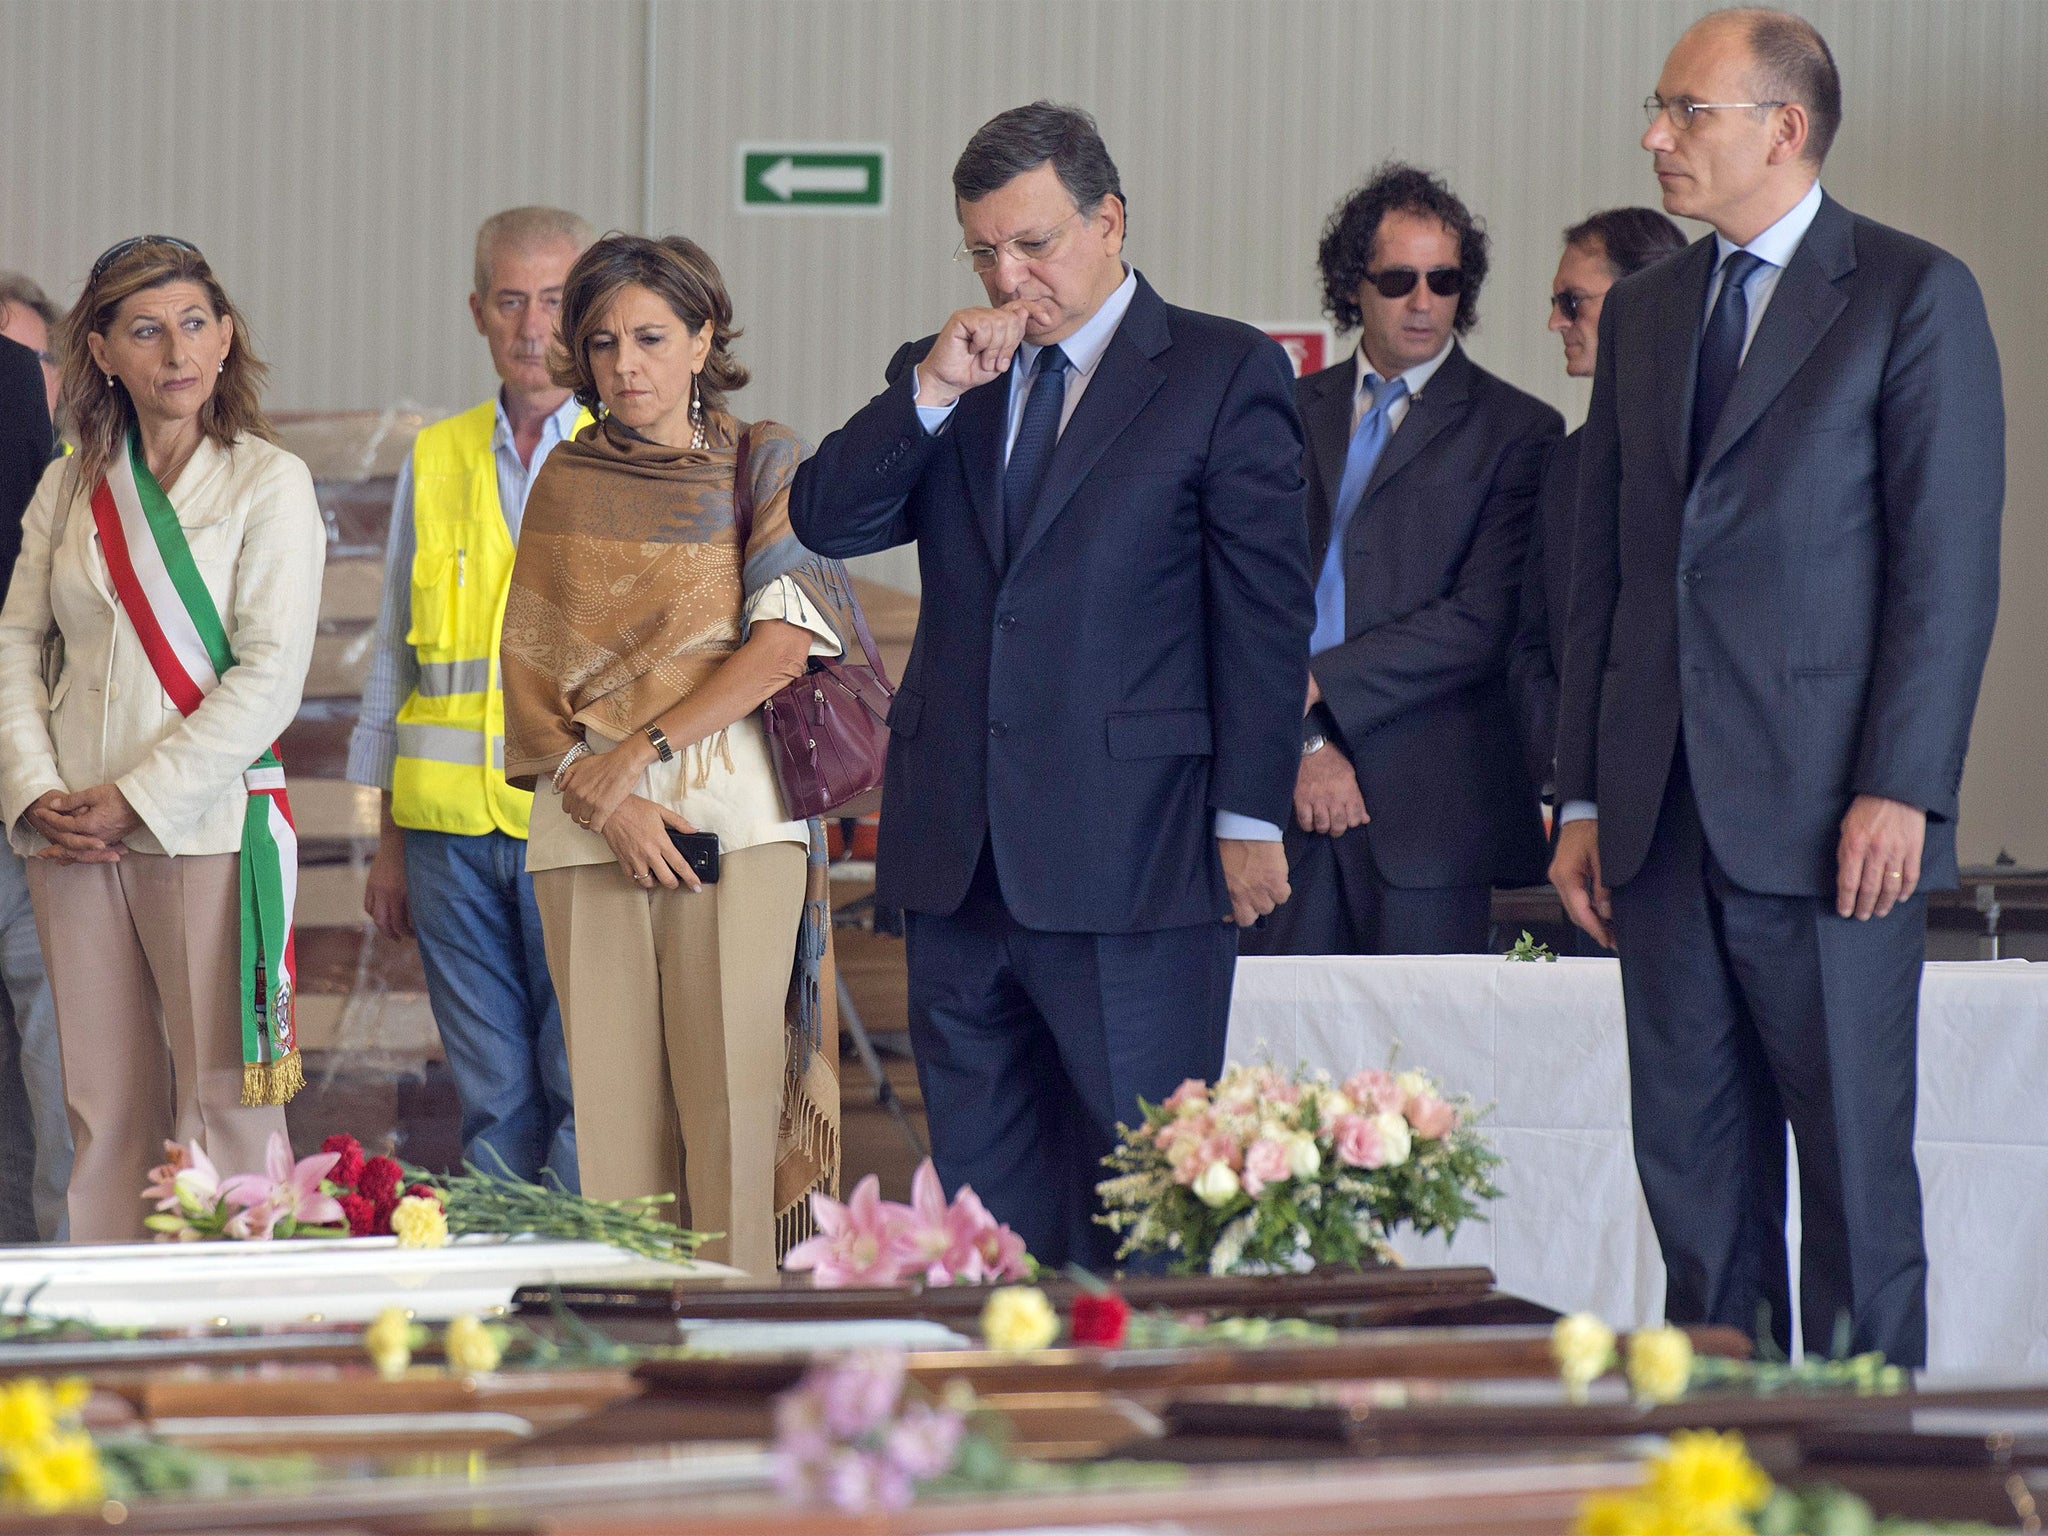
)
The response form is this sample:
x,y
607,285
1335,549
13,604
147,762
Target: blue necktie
x,y
1368,439
1036,435
1721,350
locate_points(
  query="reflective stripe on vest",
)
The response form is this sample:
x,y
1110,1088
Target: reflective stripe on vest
x,y
449,775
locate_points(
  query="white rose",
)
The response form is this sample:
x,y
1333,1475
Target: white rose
x,y
1304,1158
1331,1103
1216,1185
1413,1085
1395,1140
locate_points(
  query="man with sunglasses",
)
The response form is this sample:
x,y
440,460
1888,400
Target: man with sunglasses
x,y
1411,801
1094,741
1598,252
1784,584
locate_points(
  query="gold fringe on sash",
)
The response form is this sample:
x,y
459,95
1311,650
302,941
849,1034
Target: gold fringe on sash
x,y
272,1082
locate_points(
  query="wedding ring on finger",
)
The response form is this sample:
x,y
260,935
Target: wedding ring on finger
x,y
1894,874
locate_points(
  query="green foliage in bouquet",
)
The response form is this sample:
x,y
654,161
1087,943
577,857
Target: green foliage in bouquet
x,y
1271,1174
500,1205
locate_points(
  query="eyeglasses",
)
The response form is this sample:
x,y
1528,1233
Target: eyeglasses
x,y
983,258
1569,301
1399,282
1682,110
120,248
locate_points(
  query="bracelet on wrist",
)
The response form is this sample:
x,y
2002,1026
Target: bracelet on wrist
x,y
581,749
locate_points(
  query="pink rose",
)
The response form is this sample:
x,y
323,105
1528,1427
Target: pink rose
x,y
1223,1148
1186,1160
1375,1091
1265,1162
1192,1094
1358,1142
1432,1116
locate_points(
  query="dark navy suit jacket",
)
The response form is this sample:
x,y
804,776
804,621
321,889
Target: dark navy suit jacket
x,y
1538,647
1432,569
1816,604
1139,664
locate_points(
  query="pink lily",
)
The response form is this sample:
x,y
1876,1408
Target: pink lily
x,y
163,1179
196,1186
999,1252
860,1242
937,1243
291,1190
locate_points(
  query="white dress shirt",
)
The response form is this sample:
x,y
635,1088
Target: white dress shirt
x,y
1773,248
1415,378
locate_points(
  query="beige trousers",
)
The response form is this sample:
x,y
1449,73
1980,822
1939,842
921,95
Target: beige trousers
x,y
672,1003
142,957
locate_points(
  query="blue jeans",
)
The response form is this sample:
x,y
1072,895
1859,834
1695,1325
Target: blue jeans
x,y
487,978
35,1128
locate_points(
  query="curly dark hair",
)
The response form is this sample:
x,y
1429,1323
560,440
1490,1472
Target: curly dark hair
x,y
1345,253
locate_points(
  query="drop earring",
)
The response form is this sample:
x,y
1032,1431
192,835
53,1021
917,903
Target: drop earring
x,y
696,414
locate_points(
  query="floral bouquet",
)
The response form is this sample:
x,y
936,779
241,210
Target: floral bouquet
x,y
334,1193
854,1434
1272,1174
872,1241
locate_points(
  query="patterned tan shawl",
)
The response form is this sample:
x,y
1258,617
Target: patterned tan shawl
x,y
626,595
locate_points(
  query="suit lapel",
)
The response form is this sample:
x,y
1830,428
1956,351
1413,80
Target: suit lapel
x,y
1802,307
1441,402
1682,304
1124,383
979,426
1326,422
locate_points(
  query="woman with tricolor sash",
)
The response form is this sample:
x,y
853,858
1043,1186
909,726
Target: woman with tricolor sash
x,y
153,646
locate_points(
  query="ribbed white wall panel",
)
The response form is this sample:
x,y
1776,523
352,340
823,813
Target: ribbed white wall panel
x,y
334,157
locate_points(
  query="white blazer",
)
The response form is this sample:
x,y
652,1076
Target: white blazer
x,y
261,546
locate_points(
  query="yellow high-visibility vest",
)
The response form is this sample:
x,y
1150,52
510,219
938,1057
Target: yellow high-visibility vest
x,y
450,772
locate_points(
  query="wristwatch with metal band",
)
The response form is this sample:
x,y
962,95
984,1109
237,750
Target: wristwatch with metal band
x,y
659,742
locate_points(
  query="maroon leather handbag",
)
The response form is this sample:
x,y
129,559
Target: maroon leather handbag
x,y
828,731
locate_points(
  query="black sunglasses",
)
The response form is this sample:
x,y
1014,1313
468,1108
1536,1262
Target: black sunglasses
x,y
120,248
1568,302
1399,282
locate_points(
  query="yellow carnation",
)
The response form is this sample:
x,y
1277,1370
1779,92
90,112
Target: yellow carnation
x,y
1583,1347
471,1346
388,1341
28,1413
1708,1474
1018,1317
1659,1364
60,1472
1615,1514
420,1223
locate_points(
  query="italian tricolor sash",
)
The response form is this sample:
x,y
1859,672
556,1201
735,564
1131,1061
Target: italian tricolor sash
x,y
165,598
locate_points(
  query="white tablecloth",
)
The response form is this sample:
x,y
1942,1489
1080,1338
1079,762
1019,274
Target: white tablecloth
x,y
1544,1045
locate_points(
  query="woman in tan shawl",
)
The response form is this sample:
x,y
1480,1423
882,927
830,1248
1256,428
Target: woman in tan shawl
x,y
640,641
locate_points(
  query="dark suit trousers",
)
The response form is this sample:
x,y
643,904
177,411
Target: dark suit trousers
x,y
1031,1047
1342,905
1745,1012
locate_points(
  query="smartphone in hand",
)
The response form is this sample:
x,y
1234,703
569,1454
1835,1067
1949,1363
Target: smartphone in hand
x,y
699,851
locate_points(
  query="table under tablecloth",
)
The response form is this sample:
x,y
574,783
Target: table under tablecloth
x,y
1544,1045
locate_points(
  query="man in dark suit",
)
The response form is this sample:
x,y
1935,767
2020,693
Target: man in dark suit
x,y
28,1035
1598,252
1783,591
1411,801
1095,737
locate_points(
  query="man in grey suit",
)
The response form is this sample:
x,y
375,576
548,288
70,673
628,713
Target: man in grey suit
x,y
1784,585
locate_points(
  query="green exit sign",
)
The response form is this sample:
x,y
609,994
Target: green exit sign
x,y
813,178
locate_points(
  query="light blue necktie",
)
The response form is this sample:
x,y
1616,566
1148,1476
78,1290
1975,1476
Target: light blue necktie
x,y
1368,439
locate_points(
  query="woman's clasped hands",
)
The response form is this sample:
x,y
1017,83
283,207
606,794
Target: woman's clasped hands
x,y
597,791
87,826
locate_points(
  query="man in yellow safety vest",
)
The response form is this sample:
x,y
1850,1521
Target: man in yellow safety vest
x,y
451,861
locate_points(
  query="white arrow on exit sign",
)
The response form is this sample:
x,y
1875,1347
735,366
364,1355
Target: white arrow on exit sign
x,y
785,178
811,178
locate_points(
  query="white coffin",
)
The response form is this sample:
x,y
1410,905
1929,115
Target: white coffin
x,y
178,1285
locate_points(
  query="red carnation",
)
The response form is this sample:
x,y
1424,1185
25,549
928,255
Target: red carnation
x,y
344,1173
1099,1320
361,1213
379,1180
425,1192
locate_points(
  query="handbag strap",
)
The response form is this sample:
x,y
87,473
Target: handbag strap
x,y
743,521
